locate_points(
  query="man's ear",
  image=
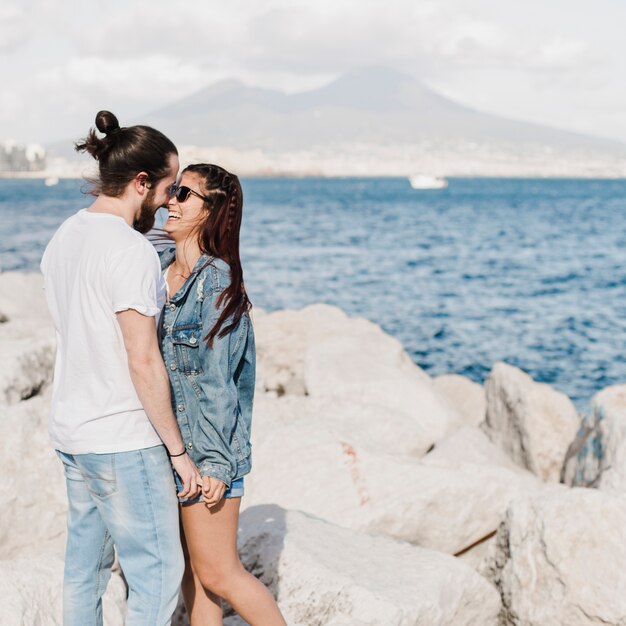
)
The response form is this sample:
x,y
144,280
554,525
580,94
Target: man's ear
x,y
142,183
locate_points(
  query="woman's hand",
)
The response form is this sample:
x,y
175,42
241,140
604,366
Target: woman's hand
x,y
212,490
189,475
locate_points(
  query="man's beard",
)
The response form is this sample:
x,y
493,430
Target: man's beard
x,y
147,214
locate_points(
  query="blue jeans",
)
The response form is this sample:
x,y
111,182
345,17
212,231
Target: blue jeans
x,y
126,499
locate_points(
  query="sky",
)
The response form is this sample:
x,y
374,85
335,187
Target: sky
x,y
555,62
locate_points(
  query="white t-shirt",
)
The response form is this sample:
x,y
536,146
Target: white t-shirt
x,y
94,266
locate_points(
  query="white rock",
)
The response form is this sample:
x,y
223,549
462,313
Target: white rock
x,y
466,396
531,422
560,559
321,352
468,445
369,424
480,556
33,487
323,574
27,360
22,297
365,363
301,463
282,339
597,457
31,594
26,336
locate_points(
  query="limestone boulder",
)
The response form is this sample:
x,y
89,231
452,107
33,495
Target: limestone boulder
x,y
532,422
282,340
466,396
321,352
325,575
22,298
369,424
480,555
365,363
468,445
33,488
28,353
26,335
597,456
301,463
559,559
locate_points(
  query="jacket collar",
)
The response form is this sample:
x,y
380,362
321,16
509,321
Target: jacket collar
x,y
167,258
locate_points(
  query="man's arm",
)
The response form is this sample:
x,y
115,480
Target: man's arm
x,y
151,382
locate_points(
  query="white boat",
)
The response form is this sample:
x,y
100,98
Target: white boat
x,y
51,181
423,181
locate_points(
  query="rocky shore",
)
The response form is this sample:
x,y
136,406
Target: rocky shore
x,y
379,496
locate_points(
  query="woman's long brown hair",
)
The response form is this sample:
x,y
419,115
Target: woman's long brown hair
x,y
219,237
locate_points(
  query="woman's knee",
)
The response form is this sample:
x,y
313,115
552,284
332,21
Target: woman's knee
x,y
219,578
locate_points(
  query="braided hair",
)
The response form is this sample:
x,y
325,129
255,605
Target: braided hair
x,y
219,237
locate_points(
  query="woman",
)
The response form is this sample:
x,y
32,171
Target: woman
x,y
208,346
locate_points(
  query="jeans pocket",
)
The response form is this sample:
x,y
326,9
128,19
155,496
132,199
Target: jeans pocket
x,y
99,473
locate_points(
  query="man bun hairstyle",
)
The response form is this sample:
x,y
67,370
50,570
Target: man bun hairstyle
x,y
123,152
107,123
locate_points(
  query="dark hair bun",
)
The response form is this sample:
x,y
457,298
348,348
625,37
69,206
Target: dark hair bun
x,y
106,122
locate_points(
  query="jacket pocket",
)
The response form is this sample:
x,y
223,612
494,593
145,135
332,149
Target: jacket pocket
x,y
241,441
187,349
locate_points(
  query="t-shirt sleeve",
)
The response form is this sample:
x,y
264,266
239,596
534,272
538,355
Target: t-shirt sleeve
x,y
135,275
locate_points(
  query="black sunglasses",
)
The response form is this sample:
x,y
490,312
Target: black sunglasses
x,y
182,193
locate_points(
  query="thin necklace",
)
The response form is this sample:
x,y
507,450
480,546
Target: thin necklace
x,y
177,273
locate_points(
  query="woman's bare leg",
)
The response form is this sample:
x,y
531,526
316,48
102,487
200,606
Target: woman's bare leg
x,y
211,538
204,608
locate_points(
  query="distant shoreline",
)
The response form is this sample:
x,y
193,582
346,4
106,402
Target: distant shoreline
x,y
37,176
318,175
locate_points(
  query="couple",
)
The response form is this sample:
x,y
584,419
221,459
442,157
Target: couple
x,y
153,386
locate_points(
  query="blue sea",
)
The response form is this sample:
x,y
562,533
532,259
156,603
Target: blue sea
x,y
532,272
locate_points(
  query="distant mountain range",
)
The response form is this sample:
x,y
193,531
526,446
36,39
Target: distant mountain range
x,y
367,122
366,106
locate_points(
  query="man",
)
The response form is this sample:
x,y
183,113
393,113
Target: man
x,y
111,420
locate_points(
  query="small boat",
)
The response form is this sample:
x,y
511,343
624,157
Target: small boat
x,y
423,181
51,181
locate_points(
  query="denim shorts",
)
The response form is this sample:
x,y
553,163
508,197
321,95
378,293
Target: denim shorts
x,y
234,491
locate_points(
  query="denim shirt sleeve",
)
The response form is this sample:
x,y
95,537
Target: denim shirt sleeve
x,y
218,398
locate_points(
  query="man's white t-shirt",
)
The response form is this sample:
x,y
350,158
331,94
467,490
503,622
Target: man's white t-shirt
x,y
94,266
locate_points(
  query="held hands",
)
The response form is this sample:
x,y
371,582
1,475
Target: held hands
x,y
212,490
188,472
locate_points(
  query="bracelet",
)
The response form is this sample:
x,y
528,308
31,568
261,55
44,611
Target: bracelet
x,y
175,455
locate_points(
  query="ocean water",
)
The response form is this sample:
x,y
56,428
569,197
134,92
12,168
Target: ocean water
x,y
532,272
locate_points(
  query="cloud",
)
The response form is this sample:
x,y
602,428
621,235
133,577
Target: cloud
x,y
140,78
142,54
15,27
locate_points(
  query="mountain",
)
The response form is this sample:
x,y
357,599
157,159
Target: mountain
x,y
370,106
368,122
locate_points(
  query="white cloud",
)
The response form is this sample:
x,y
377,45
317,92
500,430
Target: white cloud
x,y
141,54
14,25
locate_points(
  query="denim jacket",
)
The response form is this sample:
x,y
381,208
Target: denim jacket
x,y
212,388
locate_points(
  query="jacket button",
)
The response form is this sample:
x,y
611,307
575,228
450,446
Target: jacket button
x,y
172,307
192,340
172,366
190,445
181,407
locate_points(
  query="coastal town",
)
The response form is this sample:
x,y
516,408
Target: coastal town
x,y
18,158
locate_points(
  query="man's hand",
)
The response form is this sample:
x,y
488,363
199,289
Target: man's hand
x,y
212,490
189,475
